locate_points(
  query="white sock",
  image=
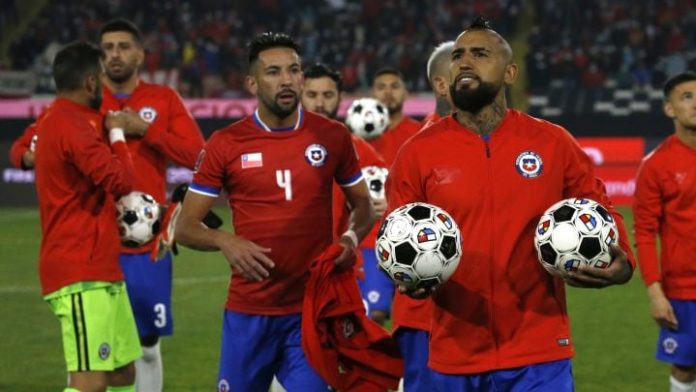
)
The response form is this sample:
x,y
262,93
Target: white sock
x,y
148,370
276,386
678,386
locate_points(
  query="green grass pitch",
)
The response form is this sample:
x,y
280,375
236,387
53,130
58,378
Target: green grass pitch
x,y
614,335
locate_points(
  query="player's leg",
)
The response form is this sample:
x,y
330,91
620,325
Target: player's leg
x,y
679,347
413,344
295,374
553,376
377,289
98,331
250,352
150,289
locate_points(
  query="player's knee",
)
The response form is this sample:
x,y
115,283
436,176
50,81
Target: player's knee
x,y
123,376
149,341
686,374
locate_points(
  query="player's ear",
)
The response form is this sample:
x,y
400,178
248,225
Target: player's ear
x,y
510,74
668,109
251,84
441,87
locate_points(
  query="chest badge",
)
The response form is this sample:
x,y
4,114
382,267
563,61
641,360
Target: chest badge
x,y
148,114
316,155
529,164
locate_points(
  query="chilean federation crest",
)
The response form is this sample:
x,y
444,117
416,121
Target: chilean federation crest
x,y
316,155
529,164
148,114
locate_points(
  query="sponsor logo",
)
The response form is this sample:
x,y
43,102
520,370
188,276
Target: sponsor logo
x,y
543,227
589,221
426,234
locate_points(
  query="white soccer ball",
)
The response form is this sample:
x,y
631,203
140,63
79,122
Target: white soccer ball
x,y
574,232
419,245
138,218
367,118
375,177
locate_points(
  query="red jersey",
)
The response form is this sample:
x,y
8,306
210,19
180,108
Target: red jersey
x,y
367,156
77,177
173,135
430,119
279,188
500,309
665,205
389,143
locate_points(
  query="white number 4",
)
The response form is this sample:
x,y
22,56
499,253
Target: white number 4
x,y
284,181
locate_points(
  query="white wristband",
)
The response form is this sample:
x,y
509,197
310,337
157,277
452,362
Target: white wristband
x,y
116,135
353,237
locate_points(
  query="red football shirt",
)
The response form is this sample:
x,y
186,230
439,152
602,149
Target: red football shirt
x,y
173,135
392,139
500,309
23,143
279,188
77,177
665,205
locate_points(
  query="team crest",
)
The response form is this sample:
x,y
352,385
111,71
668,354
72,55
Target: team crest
x,y
104,351
383,253
543,227
589,221
529,164
670,345
445,220
223,386
611,237
148,114
316,155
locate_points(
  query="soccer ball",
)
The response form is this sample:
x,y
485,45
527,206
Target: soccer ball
x,y
375,177
418,245
367,118
572,232
138,218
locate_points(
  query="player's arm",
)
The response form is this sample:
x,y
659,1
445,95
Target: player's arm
x,y
580,181
647,213
362,219
21,153
245,257
110,168
180,139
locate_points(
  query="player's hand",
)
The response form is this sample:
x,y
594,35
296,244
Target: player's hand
x,y
135,126
28,159
347,258
115,119
618,272
246,257
660,308
419,293
379,205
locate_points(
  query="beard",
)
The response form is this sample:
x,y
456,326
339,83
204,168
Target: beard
x,y
281,110
125,73
332,114
95,102
473,100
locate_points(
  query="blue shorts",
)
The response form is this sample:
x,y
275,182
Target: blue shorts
x,y
377,288
555,376
255,348
679,347
413,344
149,286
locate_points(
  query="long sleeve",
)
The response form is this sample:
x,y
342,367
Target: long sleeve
x,y
647,214
179,139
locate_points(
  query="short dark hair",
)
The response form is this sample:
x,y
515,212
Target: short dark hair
x,y
74,63
675,81
388,70
321,70
270,40
481,22
118,25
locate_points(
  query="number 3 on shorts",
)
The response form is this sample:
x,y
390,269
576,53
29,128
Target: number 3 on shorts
x,y
160,315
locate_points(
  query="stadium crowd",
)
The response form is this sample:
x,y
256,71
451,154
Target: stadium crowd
x,y
198,46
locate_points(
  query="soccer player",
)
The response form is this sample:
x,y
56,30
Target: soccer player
x,y
411,317
500,322
322,94
277,168
389,88
163,131
665,206
77,178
